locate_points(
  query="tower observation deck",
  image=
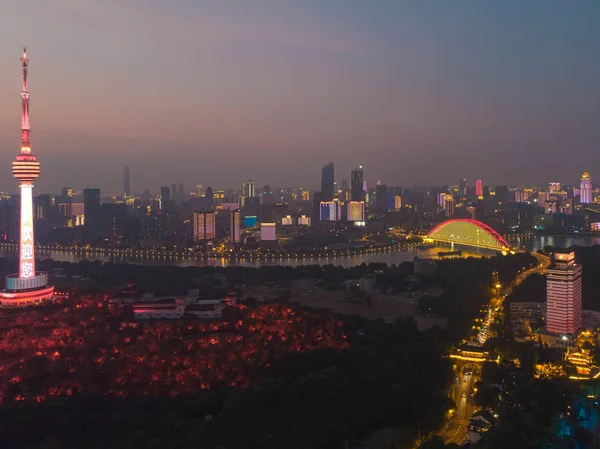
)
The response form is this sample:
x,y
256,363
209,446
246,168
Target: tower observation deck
x,y
28,286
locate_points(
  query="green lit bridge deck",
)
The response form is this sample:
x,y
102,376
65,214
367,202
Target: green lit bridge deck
x,y
468,232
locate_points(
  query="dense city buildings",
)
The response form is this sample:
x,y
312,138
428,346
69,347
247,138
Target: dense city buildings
x,y
564,294
28,286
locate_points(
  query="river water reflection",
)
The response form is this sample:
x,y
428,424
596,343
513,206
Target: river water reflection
x,y
388,257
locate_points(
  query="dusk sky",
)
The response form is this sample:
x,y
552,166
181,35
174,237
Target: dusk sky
x,y
216,92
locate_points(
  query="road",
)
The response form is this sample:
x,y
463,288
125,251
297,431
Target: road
x,y
460,392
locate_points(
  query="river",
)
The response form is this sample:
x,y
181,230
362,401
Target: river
x,y
388,257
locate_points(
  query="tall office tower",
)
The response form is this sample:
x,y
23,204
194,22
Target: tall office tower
x,y
199,190
181,196
204,226
563,294
479,188
327,181
586,189
381,198
27,286
462,187
234,227
209,197
165,195
357,192
91,203
174,192
126,182
67,191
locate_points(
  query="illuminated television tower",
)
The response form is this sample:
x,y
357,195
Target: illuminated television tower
x,y
28,286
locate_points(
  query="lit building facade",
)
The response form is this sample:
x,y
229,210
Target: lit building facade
x,y
563,296
449,204
234,227
355,211
27,286
586,189
303,221
479,188
204,226
330,211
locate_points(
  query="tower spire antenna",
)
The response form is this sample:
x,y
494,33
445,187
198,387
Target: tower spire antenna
x,y
27,286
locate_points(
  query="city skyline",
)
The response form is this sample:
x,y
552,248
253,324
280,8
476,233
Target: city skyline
x,y
418,94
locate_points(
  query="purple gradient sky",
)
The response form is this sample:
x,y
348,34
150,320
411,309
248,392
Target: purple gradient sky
x,y
215,92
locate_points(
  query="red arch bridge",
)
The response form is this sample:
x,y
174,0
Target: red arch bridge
x,y
465,231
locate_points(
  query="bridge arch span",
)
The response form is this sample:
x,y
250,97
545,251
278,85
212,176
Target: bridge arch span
x,y
466,231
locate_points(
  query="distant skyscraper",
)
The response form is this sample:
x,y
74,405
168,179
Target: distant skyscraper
x,y
26,287
91,206
357,192
209,197
126,182
327,181
165,195
563,294
462,187
248,188
234,227
449,206
204,226
381,198
479,188
586,189
181,193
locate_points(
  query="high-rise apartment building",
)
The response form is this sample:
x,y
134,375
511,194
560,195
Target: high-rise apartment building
x,y
327,182
586,189
563,294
